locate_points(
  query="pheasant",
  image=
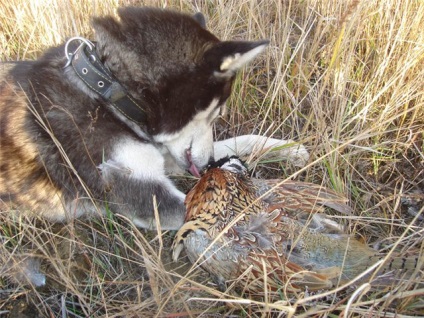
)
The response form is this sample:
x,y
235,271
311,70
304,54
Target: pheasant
x,y
265,234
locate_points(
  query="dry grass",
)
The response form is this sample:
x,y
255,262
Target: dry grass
x,y
346,78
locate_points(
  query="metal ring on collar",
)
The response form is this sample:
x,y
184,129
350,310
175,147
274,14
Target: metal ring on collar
x,y
83,41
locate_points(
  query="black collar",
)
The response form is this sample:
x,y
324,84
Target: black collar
x,y
89,68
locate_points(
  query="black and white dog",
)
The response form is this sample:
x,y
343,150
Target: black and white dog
x,y
102,125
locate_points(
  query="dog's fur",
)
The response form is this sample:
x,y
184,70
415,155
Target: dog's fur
x,y
66,152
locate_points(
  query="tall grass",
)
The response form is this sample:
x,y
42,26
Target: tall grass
x,y
346,78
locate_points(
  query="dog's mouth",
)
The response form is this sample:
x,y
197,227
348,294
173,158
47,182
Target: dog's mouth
x,y
192,168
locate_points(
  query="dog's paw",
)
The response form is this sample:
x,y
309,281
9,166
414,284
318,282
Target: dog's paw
x,y
272,148
262,147
296,153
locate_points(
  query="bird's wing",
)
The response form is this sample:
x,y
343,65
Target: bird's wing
x,y
295,196
262,236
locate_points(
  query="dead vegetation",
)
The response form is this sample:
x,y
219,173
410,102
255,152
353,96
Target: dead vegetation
x,y
346,78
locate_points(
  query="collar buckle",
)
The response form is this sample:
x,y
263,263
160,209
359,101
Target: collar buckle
x,y
70,55
88,67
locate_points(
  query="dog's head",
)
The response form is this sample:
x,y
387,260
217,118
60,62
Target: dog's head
x,y
179,72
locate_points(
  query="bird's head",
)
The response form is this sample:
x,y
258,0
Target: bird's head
x,y
233,164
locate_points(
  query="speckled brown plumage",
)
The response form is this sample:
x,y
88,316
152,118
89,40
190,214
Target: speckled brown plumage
x,y
265,234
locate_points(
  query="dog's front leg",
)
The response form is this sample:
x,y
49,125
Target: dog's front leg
x,y
135,175
261,145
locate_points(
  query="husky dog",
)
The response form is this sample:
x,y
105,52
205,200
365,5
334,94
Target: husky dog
x,y
102,125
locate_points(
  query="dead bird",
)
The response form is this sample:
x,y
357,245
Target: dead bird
x,y
269,234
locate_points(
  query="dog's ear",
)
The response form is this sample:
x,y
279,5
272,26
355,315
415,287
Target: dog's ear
x,y
106,28
200,18
229,56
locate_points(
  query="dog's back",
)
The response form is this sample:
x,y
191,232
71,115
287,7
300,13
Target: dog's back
x,y
23,180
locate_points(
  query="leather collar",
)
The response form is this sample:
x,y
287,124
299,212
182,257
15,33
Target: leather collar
x,y
88,67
